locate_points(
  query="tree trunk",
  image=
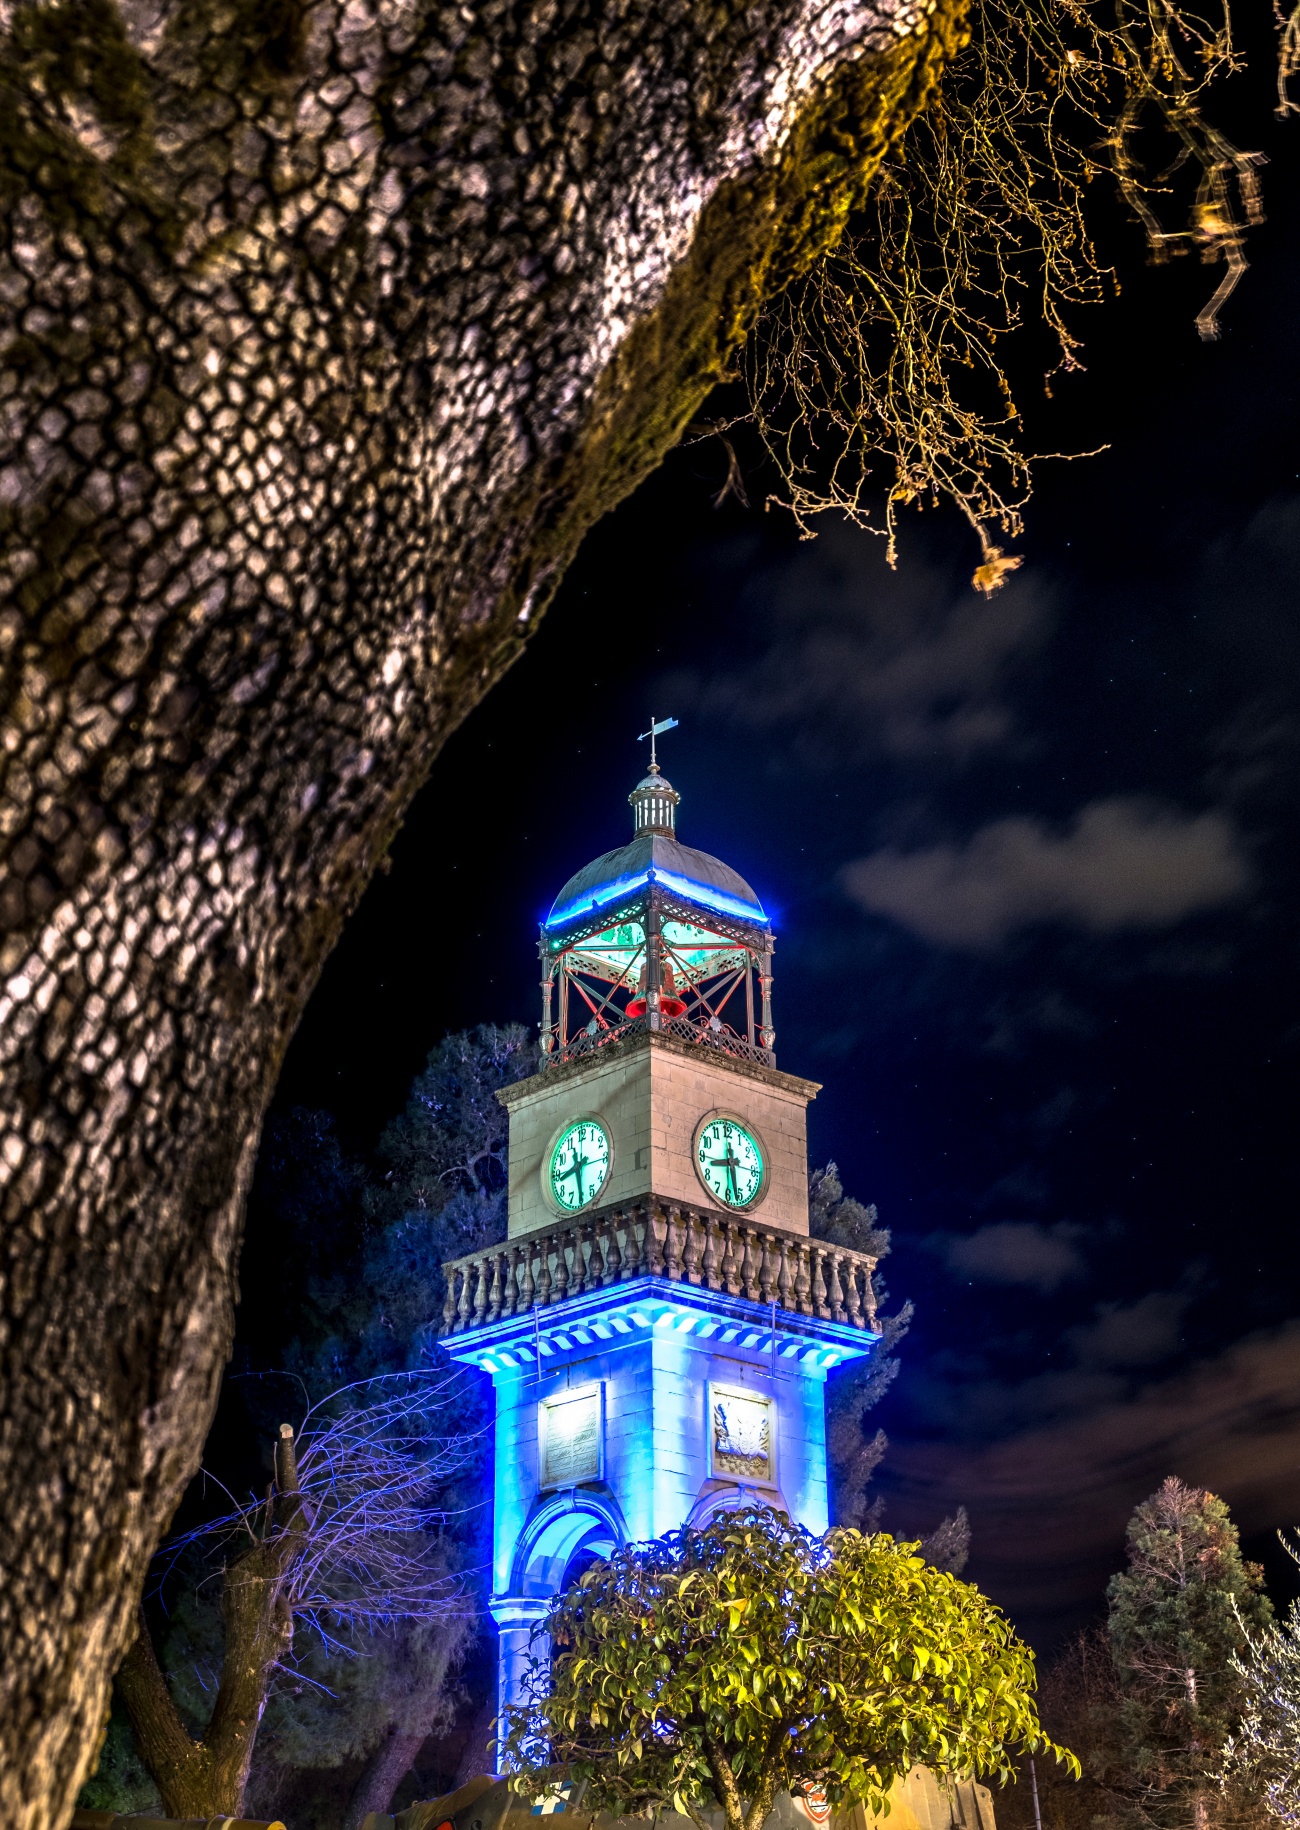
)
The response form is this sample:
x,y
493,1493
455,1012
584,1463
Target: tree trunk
x,y
395,1755
479,1755
1200,1808
386,1768
179,1765
330,327
207,1778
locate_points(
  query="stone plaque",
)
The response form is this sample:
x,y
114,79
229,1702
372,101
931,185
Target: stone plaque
x,y
742,1435
571,1428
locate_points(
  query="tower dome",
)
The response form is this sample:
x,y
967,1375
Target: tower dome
x,y
660,936
655,855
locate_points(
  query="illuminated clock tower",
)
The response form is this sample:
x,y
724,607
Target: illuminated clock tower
x,y
657,1323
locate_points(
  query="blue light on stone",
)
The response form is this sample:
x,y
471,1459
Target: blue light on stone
x,y
653,1345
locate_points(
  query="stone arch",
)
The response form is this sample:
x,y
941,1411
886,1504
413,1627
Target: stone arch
x,y
563,1528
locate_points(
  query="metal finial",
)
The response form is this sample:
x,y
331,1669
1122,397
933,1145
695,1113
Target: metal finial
x,y
656,730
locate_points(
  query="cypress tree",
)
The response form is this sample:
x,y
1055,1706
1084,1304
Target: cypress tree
x,y
1177,1618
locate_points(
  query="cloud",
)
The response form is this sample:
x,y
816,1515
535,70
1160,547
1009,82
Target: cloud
x,y
855,660
1049,1503
1122,863
1131,1334
1014,1252
1094,1364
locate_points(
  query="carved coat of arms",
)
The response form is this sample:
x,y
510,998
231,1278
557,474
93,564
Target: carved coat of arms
x,y
742,1436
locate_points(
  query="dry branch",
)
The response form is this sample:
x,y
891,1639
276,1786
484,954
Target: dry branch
x,y
882,372
347,1539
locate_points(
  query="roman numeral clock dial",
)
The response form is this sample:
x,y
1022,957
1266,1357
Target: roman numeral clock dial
x,y
729,1162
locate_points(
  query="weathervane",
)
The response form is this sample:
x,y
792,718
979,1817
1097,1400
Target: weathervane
x,y
656,730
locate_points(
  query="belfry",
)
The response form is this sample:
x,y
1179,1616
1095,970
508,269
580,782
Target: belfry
x,y
658,1324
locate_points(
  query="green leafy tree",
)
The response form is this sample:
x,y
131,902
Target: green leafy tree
x,y
1179,1618
716,1668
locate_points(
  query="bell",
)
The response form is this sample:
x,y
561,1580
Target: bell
x,y
670,1004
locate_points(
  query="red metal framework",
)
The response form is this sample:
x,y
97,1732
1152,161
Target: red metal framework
x,y
658,962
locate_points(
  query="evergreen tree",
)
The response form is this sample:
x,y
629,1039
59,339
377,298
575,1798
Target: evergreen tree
x,y
854,1451
451,1139
1178,1618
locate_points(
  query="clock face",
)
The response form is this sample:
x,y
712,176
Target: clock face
x,y
579,1165
729,1162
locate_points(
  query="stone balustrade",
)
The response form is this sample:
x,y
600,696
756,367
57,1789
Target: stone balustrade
x,y
684,1245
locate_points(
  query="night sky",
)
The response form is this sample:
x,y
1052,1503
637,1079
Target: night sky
x,y
1033,868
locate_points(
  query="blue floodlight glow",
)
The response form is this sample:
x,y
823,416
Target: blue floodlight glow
x,y
708,897
654,1352
704,895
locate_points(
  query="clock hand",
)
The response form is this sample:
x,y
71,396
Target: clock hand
x,y
727,1162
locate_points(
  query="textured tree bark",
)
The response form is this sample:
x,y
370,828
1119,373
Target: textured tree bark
x,y
330,327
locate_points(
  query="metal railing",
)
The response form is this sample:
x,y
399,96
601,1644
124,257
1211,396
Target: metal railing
x,y
709,1033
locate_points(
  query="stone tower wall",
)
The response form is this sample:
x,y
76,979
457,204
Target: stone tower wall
x,y
651,1093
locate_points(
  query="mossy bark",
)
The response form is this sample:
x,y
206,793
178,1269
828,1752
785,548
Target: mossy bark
x,y
328,333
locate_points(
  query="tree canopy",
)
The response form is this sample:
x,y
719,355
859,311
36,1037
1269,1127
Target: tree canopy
x,y
1178,1615
715,1668
1154,1700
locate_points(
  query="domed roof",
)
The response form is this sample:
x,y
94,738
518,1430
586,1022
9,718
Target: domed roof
x,y
653,857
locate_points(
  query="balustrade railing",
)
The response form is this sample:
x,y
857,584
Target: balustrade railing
x,y
682,1244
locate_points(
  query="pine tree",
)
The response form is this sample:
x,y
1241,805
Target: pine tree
x,y
1178,1617
854,1453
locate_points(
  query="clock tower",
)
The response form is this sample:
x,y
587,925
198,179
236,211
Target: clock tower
x,y
658,1323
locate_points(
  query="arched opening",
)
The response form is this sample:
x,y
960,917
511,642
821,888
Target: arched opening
x,y
594,1548
564,1538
